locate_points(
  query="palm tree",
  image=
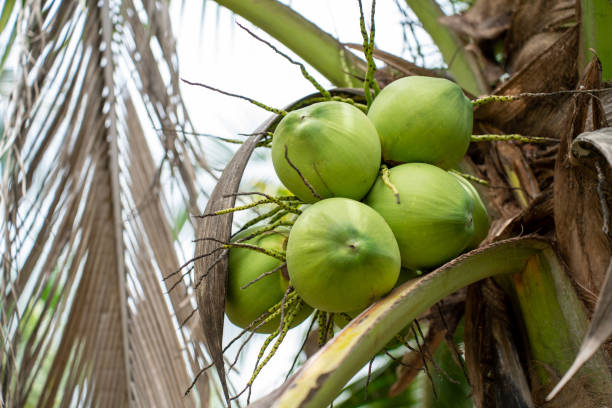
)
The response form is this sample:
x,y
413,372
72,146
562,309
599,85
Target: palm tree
x,y
524,324
87,223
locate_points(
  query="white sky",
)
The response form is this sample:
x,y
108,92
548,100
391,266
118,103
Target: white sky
x,y
228,58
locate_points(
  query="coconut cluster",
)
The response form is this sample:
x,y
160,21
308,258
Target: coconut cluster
x,y
382,198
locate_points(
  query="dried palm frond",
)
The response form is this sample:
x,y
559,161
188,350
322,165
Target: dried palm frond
x,y
84,210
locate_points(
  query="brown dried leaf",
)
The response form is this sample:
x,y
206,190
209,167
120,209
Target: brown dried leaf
x,y
211,291
590,147
518,173
606,102
548,72
484,20
533,47
537,218
512,388
491,70
69,247
477,340
532,17
492,359
406,68
578,214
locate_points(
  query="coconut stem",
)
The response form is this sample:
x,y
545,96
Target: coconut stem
x,y
262,320
285,328
197,377
246,98
294,167
188,263
322,322
280,201
370,58
265,229
471,178
345,316
278,216
423,356
204,275
494,98
329,332
269,200
215,262
265,318
305,73
517,137
265,141
384,174
237,208
262,217
350,101
227,245
368,49
263,275
366,43
369,377
270,252
509,98
297,355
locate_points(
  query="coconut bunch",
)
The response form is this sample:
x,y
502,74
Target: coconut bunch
x,y
382,200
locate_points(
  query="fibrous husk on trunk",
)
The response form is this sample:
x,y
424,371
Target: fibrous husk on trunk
x,y
578,212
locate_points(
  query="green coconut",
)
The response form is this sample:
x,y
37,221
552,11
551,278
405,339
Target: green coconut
x,y
433,220
423,119
481,217
334,146
341,255
243,306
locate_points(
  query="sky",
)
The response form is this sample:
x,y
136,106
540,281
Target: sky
x,y
220,54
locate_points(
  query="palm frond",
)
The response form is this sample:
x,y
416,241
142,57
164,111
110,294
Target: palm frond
x,y
85,211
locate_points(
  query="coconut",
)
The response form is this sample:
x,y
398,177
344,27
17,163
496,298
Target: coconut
x,y
433,220
481,217
243,306
423,119
333,145
341,255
